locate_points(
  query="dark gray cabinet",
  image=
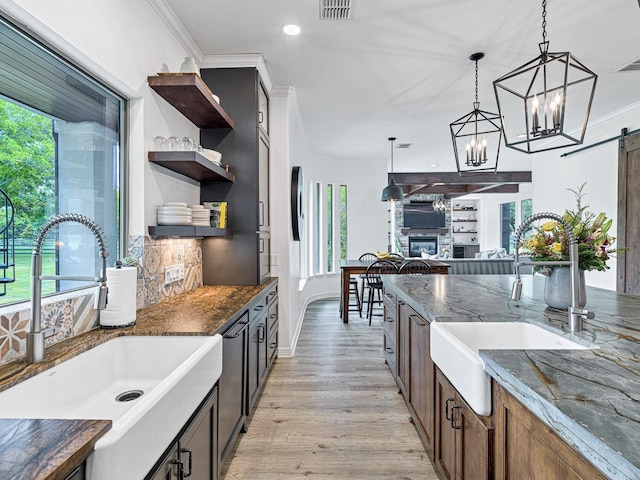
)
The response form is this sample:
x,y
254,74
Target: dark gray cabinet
x,y
194,454
263,343
245,259
232,385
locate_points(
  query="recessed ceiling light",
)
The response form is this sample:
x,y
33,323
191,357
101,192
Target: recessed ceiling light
x,y
433,165
291,29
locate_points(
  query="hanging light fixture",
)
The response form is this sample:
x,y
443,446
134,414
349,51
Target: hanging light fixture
x,y
556,91
392,192
478,134
439,204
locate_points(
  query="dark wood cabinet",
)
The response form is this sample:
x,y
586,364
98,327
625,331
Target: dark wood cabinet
x,y
527,448
421,380
244,260
77,474
463,440
403,348
390,333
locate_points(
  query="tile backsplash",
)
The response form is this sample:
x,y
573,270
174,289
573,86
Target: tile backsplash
x,y
73,313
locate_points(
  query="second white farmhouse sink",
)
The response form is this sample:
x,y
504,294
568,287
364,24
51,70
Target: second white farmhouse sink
x,y
455,346
161,380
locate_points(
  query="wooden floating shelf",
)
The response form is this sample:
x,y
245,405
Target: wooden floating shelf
x,y
458,220
188,93
188,231
193,165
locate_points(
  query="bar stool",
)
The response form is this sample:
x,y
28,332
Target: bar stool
x,y
366,258
374,282
415,267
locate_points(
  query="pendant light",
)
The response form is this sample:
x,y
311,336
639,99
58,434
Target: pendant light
x,y
392,192
478,134
439,204
556,91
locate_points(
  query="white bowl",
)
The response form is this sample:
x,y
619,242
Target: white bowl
x,y
174,210
175,204
212,155
196,207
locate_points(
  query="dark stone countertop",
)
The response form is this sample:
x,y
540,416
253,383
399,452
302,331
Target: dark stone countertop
x,y
52,447
590,398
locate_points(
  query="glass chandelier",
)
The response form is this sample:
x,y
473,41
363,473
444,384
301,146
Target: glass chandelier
x,y
555,90
478,134
439,204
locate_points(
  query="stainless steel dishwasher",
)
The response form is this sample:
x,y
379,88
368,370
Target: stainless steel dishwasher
x,y
232,385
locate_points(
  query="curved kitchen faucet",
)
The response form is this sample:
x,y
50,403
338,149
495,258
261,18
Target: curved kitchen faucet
x,y
576,313
36,336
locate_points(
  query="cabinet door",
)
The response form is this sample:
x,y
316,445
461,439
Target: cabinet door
x,y
170,468
257,357
263,109
526,448
263,185
473,443
422,379
198,449
403,346
445,437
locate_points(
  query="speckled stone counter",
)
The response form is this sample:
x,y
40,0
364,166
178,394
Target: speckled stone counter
x,y
590,398
60,443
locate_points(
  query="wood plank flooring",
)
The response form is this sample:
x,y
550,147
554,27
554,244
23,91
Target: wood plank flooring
x,y
332,411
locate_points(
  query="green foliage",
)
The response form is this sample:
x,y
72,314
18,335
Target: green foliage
x,y
27,154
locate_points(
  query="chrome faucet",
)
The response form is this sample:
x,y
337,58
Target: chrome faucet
x,y
576,313
36,336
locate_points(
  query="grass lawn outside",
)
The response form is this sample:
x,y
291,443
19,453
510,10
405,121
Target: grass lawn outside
x,y
20,289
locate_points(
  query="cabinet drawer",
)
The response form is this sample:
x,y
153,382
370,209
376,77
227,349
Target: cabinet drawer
x,y
272,295
273,317
273,345
390,354
258,309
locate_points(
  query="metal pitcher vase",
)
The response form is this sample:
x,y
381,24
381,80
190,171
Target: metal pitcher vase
x,y
557,289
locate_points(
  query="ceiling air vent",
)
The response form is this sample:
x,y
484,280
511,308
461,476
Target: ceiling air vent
x,y
335,9
404,145
634,66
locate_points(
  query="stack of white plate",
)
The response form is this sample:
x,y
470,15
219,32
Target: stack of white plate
x,y
200,216
174,213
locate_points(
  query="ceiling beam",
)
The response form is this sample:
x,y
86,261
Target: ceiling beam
x,y
454,178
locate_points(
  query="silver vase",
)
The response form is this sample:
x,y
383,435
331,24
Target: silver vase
x,y
557,289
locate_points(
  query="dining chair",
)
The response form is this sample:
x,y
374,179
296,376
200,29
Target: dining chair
x,y
366,258
415,267
374,282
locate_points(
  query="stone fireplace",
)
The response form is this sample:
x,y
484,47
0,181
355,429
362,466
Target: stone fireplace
x,y
403,235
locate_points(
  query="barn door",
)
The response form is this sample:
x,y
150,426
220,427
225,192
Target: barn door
x,y
628,263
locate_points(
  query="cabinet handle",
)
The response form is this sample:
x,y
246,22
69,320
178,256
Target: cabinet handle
x,y
261,248
189,462
261,336
274,345
390,319
389,349
453,417
180,466
261,220
257,308
260,117
446,409
418,319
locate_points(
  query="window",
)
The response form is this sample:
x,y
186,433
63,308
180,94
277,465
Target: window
x,y
507,225
317,229
60,152
526,209
330,240
343,222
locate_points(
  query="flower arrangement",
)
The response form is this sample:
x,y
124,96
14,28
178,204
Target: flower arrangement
x,y
550,241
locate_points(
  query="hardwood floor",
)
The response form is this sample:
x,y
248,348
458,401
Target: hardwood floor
x,y
331,411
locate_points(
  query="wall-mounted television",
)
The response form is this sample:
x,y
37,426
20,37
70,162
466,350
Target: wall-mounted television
x,y
422,215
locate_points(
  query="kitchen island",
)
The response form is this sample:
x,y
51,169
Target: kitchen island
x,y
589,398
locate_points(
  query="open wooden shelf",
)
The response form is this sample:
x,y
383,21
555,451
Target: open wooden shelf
x,y
188,93
441,231
188,231
193,165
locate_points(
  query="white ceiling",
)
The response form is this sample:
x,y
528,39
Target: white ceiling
x,y
401,68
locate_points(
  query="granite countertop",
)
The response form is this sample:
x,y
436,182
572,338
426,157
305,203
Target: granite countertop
x,y
590,398
52,447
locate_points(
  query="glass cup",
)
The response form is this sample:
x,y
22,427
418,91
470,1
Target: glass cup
x,y
158,144
187,145
173,144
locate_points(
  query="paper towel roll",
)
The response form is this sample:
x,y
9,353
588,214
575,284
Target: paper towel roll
x,y
121,300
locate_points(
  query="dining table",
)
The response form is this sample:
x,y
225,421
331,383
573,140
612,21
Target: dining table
x,y
359,267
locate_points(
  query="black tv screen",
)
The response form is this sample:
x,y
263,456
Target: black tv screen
x,y
422,215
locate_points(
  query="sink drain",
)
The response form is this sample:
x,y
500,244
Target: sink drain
x,y
129,395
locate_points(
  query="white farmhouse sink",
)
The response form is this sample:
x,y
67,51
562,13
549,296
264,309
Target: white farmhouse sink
x,y
174,374
455,346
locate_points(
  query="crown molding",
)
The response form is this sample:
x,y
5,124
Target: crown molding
x,y
168,16
240,60
285,91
